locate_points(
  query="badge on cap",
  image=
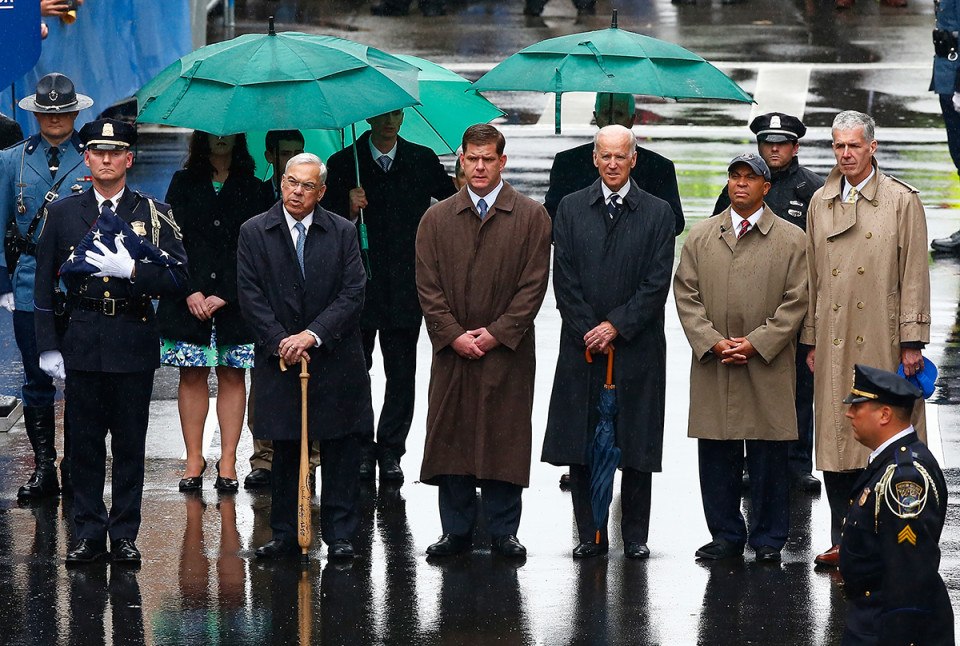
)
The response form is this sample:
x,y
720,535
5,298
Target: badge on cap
x,y
775,121
108,130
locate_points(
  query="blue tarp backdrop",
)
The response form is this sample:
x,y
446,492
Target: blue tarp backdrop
x,y
20,24
113,48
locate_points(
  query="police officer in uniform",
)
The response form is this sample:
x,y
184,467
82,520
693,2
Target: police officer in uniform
x,y
889,551
946,65
33,173
791,187
110,347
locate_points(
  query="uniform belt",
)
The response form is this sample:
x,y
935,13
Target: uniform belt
x,y
109,306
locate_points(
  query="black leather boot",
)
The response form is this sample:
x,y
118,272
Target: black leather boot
x,y
41,426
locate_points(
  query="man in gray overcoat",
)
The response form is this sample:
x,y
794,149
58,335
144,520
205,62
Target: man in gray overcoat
x,y
613,256
741,293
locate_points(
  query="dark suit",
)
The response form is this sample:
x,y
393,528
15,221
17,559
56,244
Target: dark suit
x,y
574,170
277,301
10,132
109,360
397,200
889,560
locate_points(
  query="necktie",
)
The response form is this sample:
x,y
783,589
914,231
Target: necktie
x,y
482,208
301,239
53,155
852,196
744,225
384,161
106,207
613,206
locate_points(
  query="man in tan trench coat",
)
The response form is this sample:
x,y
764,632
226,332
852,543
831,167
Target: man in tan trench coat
x,y
741,293
483,258
869,297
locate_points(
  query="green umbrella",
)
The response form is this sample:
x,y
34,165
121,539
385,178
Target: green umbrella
x,y
277,81
611,60
448,106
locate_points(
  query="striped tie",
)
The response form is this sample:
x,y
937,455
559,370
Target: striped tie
x,y
744,227
301,239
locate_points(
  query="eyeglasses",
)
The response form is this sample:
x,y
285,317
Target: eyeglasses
x,y
308,187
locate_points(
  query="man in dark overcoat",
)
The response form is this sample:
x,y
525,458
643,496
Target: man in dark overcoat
x,y
890,548
574,170
483,261
397,180
300,283
613,256
109,351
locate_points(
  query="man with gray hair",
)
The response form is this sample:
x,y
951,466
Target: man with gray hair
x,y
613,256
869,298
300,282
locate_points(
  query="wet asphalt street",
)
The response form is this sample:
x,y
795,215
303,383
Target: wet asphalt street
x,y
199,583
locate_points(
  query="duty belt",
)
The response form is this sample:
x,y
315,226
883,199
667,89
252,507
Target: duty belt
x,y
109,306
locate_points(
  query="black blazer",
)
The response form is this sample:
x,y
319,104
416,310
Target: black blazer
x,y
278,301
10,132
397,199
573,170
211,224
127,342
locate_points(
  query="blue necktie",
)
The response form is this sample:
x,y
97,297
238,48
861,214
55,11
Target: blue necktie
x,y
613,206
482,208
384,162
301,239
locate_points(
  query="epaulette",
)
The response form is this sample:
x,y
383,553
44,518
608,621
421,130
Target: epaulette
x,y
16,144
31,143
904,184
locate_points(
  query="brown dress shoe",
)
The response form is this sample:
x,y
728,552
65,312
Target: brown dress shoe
x,y
830,558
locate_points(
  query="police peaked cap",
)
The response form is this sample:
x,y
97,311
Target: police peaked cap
x,y
108,134
775,127
882,387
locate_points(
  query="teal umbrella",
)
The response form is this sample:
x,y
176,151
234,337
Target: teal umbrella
x,y
611,60
277,81
448,106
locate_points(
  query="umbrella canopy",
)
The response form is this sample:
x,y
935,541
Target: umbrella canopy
x,y
611,60
604,455
277,81
448,106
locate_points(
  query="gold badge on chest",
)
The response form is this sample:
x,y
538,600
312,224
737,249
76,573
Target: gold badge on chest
x,y
864,495
139,228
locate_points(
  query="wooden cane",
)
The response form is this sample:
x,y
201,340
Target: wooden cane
x,y
304,534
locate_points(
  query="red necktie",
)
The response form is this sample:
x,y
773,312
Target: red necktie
x,y
744,225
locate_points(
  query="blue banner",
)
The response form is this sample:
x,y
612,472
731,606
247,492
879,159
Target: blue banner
x,y
19,24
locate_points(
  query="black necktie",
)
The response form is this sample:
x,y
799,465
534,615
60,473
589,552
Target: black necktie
x,y
613,206
53,155
106,207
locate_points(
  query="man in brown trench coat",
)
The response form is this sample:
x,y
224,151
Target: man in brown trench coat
x,y
869,298
741,292
483,258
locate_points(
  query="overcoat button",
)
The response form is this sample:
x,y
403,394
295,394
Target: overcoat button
x,y
836,272
860,270
836,342
860,305
869,235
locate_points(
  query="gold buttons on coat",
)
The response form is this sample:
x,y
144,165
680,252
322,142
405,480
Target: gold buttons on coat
x,y
836,306
836,272
837,341
860,270
106,294
106,279
869,235
860,305
859,339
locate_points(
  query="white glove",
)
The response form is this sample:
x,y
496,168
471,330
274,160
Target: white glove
x,y
956,101
6,301
51,362
118,264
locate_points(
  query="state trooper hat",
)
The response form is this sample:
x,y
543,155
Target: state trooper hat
x,y
55,93
108,134
882,387
775,127
753,161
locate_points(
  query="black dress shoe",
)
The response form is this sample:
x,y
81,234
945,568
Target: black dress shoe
x,y
508,546
123,551
718,550
340,549
950,244
565,482
225,485
448,545
589,550
387,10
276,549
635,550
193,483
767,554
86,551
257,479
368,468
390,468
807,483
